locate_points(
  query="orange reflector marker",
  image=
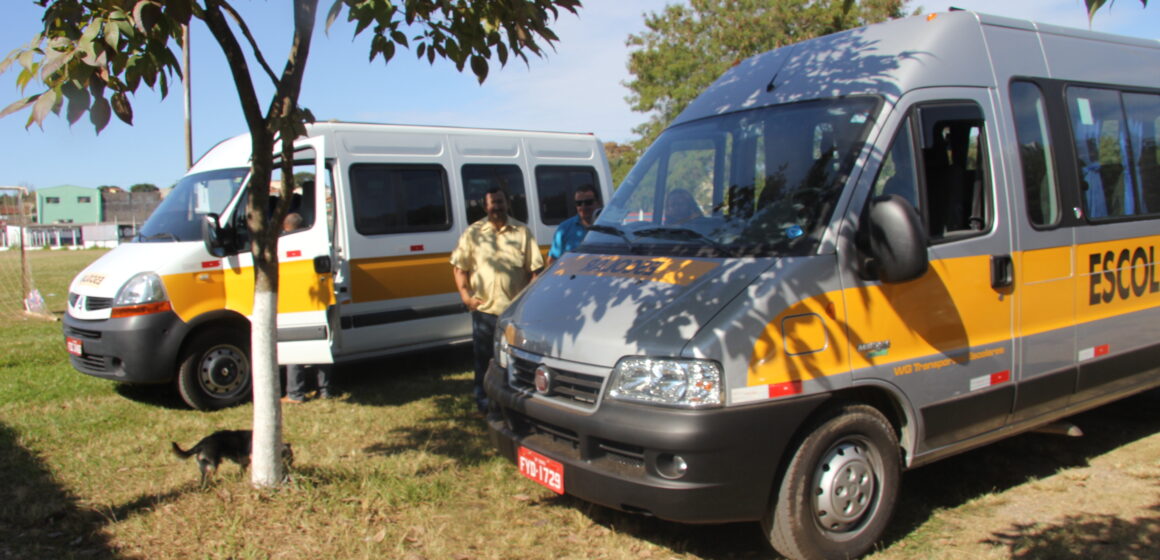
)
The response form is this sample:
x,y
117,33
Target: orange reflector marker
x,y
931,17
144,309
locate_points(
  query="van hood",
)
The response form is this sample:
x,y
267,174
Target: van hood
x,y
107,274
595,309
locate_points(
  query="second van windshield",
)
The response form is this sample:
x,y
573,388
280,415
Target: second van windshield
x,y
755,183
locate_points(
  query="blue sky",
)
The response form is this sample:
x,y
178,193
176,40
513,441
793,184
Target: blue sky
x,y
576,88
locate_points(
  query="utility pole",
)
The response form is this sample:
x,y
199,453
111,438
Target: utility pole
x,y
186,80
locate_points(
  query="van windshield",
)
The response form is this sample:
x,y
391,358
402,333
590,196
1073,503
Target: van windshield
x,y
754,183
179,216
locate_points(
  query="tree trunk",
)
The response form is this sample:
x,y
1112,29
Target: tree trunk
x,y
266,454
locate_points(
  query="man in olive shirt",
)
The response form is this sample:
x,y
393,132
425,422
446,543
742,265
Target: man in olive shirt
x,y
496,258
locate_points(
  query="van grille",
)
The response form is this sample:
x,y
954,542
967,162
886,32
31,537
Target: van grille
x,y
570,386
91,303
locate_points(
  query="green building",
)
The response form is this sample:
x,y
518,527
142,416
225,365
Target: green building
x,y
69,205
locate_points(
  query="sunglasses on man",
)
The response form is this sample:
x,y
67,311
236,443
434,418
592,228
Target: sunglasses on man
x,y
586,202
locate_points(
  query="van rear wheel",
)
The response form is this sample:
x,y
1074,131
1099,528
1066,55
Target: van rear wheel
x,y
215,369
840,488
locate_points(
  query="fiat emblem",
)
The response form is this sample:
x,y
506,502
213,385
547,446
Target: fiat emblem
x,y
544,380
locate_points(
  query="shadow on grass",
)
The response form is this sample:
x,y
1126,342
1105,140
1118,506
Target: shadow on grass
x,y
161,396
38,518
402,379
994,468
1092,537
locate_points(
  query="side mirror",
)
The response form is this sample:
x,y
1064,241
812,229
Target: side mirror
x,y
897,241
214,237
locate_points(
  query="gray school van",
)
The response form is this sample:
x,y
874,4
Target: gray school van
x,y
849,257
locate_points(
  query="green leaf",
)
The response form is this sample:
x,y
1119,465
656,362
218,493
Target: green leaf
x,y
78,103
479,67
122,108
43,106
179,10
146,14
18,105
112,35
332,15
99,114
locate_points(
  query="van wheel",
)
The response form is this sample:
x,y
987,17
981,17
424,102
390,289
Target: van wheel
x,y
215,369
840,488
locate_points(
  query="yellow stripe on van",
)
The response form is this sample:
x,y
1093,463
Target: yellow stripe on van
x,y
1057,288
401,277
195,293
898,314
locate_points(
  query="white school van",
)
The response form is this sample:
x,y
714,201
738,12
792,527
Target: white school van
x,y
365,275
849,257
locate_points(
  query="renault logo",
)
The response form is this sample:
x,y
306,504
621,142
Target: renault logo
x,y
544,379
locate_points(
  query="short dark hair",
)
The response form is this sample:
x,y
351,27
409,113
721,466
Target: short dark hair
x,y
587,187
496,189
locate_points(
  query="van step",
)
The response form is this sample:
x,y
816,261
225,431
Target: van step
x,y
1060,429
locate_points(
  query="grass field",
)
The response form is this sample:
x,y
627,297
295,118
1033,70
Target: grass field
x,y
397,468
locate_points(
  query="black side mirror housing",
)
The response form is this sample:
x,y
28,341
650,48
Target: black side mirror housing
x,y
217,240
896,240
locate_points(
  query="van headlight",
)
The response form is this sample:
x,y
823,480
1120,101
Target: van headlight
x,y
501,351
669,382
142,288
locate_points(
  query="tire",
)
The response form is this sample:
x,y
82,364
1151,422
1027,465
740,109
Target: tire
x,y
215,369
839,489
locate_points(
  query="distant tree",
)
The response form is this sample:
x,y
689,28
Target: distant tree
x,y
143,187
621,158
1094,6
93,53
686,47
110,189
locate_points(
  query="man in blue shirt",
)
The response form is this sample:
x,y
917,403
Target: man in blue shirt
x,y
571,232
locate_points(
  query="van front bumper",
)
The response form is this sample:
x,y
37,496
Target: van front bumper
x,y
138,349
614,455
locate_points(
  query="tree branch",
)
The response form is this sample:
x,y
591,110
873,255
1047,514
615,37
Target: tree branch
x,y
240,70
249,37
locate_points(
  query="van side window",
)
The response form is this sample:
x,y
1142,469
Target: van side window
x,y
1144,138
897,174
944,172
555,186
1031,129
397,198
954,161
479,178
1107,177
300,214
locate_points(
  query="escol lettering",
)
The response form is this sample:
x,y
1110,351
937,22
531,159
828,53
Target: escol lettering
x,y
1129,273
623,266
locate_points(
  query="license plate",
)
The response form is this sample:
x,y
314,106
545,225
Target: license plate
x,y
74,346
546,472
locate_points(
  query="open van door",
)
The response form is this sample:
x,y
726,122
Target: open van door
x,y
306,261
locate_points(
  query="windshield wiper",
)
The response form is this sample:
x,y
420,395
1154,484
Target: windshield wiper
x,y
684,233
164,234
613,231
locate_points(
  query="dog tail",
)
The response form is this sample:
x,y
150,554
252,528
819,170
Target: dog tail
x,y
181,454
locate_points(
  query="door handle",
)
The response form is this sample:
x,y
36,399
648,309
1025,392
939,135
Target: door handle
x,y
1002,271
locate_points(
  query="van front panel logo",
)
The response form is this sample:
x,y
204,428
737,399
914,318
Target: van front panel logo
x,y
681,272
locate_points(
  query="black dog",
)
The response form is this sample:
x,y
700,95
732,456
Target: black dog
x,y
225,444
